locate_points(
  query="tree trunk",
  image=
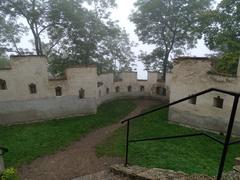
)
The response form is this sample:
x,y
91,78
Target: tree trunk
x,y
36,44
164,69
165,63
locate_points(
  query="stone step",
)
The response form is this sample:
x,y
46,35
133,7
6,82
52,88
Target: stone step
x,y
237,161
236,168
135,172
231,175
102,175
119,172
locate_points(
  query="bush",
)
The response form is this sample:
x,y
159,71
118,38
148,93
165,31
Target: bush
x,y
9,174
4,62
227,64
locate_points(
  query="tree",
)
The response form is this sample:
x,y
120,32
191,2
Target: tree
x,y
70,33
222,34
34,12
87,37
171,25
10,35
115,54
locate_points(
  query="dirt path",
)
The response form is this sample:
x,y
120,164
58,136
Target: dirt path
x,y
78,159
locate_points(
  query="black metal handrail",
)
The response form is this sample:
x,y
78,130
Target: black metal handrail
x,y
3,150
226,142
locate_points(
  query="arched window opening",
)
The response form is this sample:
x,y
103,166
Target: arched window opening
x,y
141,88
158,90
117,89
107,91
162,91
81,93
33,88
3,84
58,91
129,88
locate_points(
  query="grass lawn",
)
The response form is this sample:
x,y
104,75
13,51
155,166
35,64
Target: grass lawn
x,y
190,155
29,141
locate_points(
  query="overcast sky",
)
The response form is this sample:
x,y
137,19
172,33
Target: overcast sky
x,y
121,13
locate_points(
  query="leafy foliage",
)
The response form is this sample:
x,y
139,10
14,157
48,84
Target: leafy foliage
x,y
70,32
222,34
9,174
222,31
33,11
4,63
153,61
87,40
10,35
172,26
226,64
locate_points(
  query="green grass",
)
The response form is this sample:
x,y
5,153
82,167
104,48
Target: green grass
x,y
27,142
191,155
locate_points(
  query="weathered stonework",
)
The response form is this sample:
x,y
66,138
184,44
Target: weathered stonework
x,y
142,173
19,103
189,76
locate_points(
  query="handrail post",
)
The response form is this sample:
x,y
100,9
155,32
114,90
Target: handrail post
x,y
126,146
228,136
2,167
2,152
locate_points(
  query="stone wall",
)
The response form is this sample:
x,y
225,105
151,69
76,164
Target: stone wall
x,y
129,86
13,112
23,72
191,75
19,104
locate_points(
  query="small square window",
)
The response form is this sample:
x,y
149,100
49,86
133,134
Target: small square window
x,y
3,85
218,102
141,88
162,91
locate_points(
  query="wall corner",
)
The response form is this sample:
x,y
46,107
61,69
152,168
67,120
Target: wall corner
x,y
238,68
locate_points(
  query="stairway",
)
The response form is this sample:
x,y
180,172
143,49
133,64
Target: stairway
x,y
237,165
136,172
102,175
120,172
235,174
